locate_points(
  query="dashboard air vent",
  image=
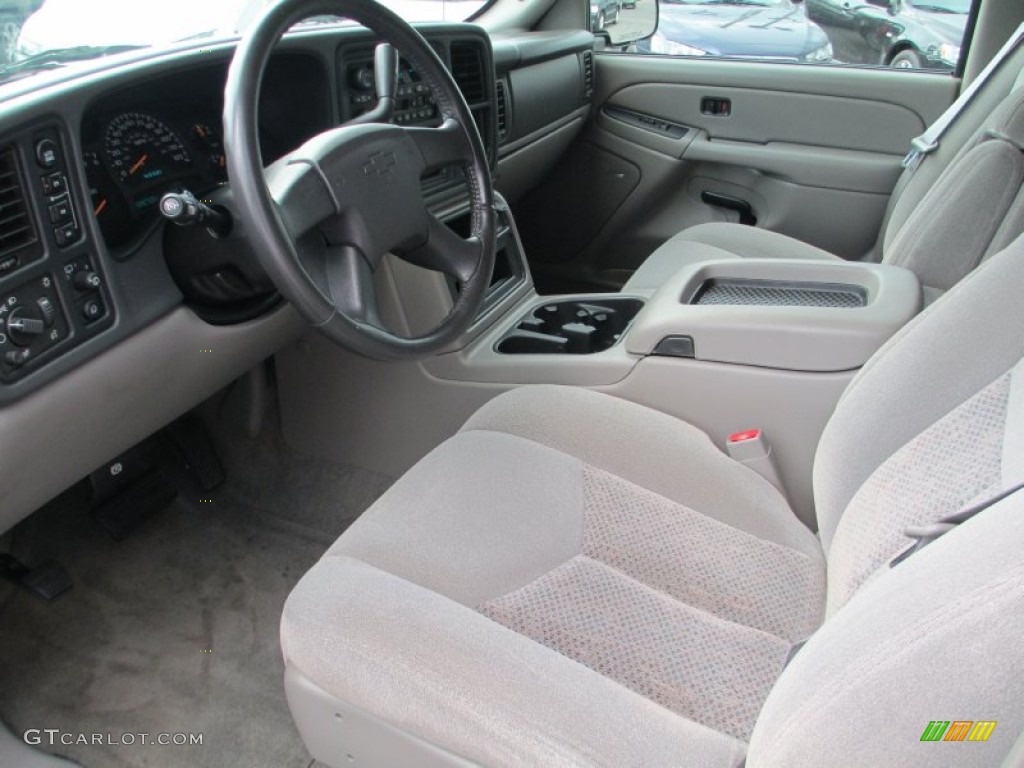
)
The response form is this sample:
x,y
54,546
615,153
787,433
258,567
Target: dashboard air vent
x,y
15,221
501,108
468,72
588,74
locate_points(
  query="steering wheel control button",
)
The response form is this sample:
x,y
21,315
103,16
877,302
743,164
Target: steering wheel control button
x,y
55,184
46,154
173,207
93,310
185,209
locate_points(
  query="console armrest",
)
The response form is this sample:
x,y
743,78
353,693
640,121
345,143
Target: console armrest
x,y
777,313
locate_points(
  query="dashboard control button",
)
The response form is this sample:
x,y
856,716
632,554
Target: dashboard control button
x,y
61,211
16,357
6,265
22,327
86,280
362,78
55,184
46,307
66,234
93,310
46,153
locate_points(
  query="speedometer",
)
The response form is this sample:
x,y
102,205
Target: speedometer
x,y
141,150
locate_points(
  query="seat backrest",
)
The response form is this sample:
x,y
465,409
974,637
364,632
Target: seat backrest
x,y
963,202
934,422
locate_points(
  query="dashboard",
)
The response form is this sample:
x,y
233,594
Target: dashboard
x,y
112,321
165,135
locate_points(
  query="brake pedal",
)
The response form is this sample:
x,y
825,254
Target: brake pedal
x,y
48,580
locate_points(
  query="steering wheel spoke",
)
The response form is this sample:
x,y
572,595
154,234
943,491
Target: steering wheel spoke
x,y
447,252
302,197
351,285
442,146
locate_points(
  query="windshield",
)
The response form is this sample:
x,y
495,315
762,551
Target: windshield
x,y
42,34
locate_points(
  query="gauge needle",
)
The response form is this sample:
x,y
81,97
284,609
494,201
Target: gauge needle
x,y
138,164
100,207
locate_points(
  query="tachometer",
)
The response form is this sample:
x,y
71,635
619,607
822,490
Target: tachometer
x,y
142,150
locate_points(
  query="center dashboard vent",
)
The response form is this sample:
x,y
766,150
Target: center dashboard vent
x,y
15,221
468,72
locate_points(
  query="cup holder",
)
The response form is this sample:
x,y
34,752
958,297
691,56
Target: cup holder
x,y
574,327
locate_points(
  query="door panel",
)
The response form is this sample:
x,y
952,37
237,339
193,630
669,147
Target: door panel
x,y
813,150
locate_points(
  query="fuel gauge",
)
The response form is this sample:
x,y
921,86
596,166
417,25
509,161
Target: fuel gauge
x,y
207,138
108,205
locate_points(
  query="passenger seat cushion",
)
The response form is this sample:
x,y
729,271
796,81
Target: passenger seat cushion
x,y
519,584
717,240
477,517
689,612
447,674
650,449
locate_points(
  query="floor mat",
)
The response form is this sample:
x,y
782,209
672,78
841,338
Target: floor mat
x,y
175,630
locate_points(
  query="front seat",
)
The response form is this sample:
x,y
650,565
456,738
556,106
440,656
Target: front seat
x,y
958,208
574,579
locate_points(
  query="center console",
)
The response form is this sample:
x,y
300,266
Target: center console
x,y
728,346
795,315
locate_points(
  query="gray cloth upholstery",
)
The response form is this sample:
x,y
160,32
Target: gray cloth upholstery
x,y
953,464
506,519
961,205
936,638
908,385
452,676
653,450
577,580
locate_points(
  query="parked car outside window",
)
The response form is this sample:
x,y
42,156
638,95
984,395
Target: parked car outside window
x,y
605,12
899,33
774,30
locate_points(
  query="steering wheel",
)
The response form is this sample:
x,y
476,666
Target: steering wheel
x,y
322,218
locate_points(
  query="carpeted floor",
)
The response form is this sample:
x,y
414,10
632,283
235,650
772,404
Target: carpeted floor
x,y
176,628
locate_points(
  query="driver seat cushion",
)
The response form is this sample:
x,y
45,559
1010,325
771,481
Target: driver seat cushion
x,y
610,595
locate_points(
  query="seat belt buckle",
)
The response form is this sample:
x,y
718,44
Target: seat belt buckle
x,y
919,147
752,449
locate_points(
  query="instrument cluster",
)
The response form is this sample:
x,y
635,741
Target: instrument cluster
x,y
133,158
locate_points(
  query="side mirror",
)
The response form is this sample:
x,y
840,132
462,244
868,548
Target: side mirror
x,y
623,22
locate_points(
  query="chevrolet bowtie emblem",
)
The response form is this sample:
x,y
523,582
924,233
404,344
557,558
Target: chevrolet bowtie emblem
x,y
379,164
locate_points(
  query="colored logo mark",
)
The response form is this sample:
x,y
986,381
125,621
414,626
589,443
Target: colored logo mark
x,y
958,730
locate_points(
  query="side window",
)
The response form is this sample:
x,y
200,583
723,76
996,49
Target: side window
x,y
905,34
